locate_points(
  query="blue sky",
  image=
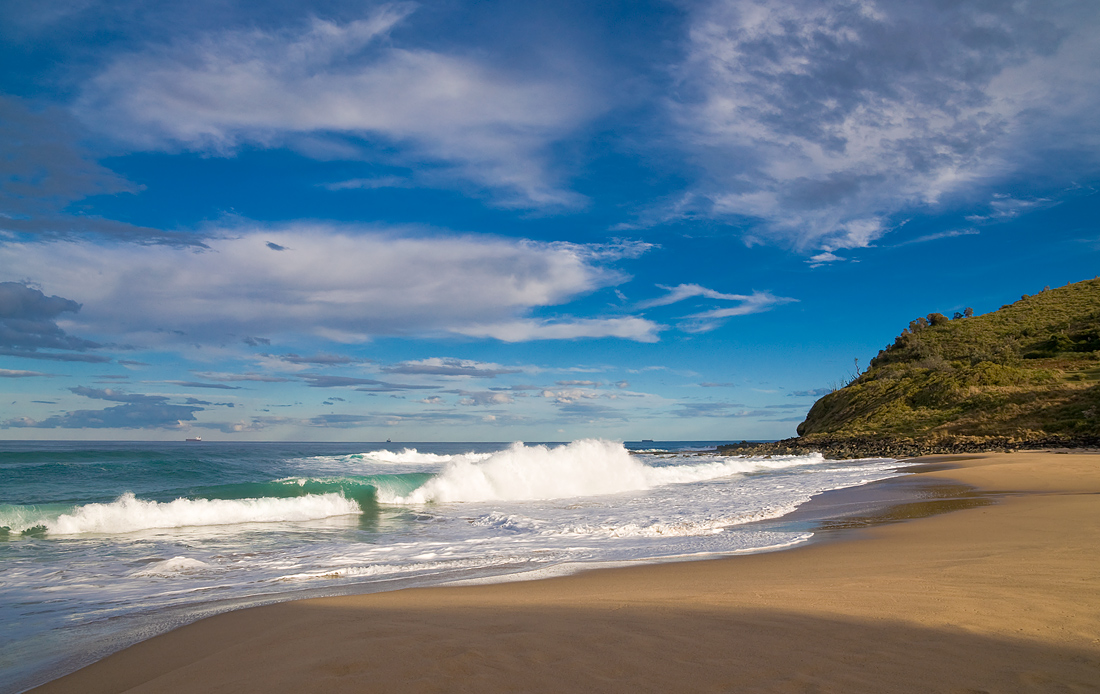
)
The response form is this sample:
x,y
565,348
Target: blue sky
x,y
501,221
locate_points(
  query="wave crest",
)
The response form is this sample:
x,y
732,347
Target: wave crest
x,y
587,467
130,514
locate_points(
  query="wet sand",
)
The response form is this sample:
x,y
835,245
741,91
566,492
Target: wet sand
x,y
989,598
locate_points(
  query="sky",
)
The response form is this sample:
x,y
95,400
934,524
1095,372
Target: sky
x,y
502,221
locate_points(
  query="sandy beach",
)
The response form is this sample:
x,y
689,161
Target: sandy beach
x,y
996,598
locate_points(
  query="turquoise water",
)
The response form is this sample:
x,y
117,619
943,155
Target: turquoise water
x,y
103,544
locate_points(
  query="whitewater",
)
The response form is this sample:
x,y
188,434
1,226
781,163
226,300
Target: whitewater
x,y
103,544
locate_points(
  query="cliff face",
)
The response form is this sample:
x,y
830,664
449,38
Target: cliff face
x,y
1027,371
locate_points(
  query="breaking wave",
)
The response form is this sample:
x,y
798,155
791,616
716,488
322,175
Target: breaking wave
x,y
413,456
129,514
587,467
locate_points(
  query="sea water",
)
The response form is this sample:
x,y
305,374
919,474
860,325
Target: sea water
x,y
103,544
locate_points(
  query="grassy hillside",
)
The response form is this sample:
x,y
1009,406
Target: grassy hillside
x,y
1027,371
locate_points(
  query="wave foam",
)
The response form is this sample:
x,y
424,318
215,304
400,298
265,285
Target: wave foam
x,y
680,528
129,514
587,467
413,456
174,567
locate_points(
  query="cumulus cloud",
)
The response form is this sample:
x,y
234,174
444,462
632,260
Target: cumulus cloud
x,y
342,83
823,119
571,395
485,398
340,284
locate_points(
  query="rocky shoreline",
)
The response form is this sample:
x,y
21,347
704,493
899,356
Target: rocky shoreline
x,y
844,447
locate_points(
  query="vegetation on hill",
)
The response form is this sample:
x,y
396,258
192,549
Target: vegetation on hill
x,y
1029,371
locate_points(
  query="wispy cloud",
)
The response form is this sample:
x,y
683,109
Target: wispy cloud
x,y
16,373
319,359
437,366
364,384
370,183
940,235
757,302
628,328
1003,207
200,384
231,377
329,86
687,291
820,120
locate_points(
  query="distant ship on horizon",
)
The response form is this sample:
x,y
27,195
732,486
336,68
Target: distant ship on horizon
x,y
197,438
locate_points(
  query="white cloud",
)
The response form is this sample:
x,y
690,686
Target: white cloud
x,y
335,283
687,291
15,373
333,81
485,398
370,183
1007,207
459,368
628,328
751,303
757,302
941,235
823,119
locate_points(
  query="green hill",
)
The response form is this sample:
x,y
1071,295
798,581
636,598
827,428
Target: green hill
x,y
1025,375
1030,369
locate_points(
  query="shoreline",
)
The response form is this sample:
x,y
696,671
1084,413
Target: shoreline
x,y
815,599
846,446
129,630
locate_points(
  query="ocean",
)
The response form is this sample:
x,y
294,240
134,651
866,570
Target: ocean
x,y
105,544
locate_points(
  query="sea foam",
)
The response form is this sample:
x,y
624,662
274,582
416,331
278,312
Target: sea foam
x,y
587,467
174,567
129,514
412,456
